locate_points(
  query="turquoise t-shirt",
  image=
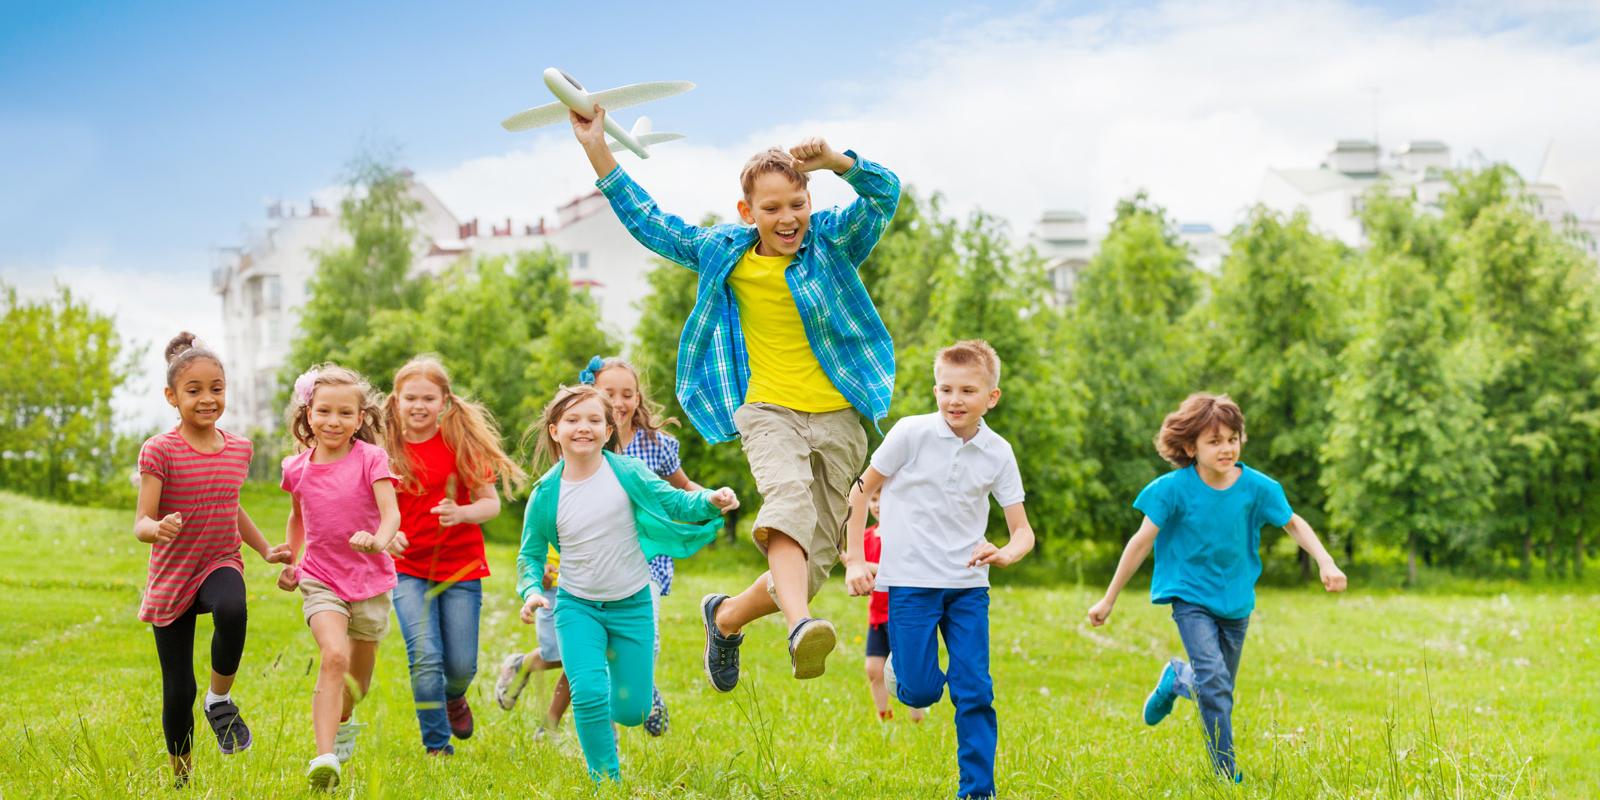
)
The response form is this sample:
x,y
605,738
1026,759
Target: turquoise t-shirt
x,y
1208,548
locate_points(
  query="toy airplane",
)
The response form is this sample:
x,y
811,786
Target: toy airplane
x,y
572,95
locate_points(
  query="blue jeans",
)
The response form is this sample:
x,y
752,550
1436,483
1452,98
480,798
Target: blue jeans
x,y
1214,645
440,624
962,617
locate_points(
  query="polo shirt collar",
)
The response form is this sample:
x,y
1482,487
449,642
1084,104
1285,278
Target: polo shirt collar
x,y
982,439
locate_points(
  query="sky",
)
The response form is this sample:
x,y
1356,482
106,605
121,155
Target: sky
x,y
135,137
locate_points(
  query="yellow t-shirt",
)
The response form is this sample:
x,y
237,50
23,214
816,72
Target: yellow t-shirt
x,y
783,370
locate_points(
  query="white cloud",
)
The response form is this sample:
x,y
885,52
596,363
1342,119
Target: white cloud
x,y
150,308
1193,102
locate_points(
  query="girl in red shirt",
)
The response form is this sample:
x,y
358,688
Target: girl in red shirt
x,y
446,452
189,514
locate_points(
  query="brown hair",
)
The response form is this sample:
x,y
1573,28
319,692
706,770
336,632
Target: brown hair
x,y
772,159
329,374
184,349
468,428
547,451
1199,414
647,414
971,352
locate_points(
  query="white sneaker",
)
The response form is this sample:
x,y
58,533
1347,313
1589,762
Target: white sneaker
x,y
509,683
890,683
344,742
323,772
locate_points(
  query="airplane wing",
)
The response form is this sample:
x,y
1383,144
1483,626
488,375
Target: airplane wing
x,y
610,100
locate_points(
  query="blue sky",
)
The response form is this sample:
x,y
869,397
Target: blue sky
x,y
136,136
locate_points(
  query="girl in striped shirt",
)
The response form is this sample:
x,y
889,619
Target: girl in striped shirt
x,y
189,514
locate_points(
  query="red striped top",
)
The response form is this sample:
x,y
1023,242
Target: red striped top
x,y
204,488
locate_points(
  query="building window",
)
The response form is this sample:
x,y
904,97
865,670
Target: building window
x,y
580,262
273,291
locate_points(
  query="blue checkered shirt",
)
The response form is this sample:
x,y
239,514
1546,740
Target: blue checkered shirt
x,y
661,456
844,329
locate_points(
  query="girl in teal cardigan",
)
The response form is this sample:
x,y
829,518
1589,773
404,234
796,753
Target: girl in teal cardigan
x,y
607,514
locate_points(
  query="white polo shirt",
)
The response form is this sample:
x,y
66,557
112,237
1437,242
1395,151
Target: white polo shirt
x,y
935,502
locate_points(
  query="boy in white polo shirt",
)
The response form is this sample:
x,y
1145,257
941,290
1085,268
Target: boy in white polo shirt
x,y
937,472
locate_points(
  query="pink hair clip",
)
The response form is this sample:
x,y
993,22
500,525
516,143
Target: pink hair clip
x,y
304,386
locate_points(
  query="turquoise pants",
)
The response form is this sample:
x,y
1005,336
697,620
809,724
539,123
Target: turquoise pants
x,y
606,652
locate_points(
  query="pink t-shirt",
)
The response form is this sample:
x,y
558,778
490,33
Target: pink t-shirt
x,y
204,488
336,500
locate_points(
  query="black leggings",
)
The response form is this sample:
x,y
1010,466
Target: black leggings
x,y
221,595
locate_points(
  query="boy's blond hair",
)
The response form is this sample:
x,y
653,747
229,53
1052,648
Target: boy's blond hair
x,y
971,352
772,159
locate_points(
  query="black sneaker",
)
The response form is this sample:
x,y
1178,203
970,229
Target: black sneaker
x,y
809,645
656,723
233,735
722,652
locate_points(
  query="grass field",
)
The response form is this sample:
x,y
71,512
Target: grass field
x,y
1372,694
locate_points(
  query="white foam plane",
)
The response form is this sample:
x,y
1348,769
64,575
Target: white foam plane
x,y
572,95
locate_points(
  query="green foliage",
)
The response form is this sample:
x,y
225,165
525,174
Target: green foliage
x,y
60,366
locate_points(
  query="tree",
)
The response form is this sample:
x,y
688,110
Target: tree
x,y
1276,326
1405,457
62,363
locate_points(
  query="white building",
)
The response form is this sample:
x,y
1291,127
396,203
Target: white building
x,y
1332,194
1062,239
263,282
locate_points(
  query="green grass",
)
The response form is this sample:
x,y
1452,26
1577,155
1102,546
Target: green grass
x,y
1384,694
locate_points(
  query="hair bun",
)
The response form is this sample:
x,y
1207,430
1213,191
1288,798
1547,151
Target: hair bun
x,y
179,343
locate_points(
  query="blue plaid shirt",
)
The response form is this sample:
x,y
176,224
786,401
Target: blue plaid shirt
x,y
844,329
661,456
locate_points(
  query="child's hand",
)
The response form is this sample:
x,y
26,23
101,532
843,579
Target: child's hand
x,y
449,513
534,602
363,542
987,555
287,579
397,545
725,499
590,132
858,576
549,576
1333,578
1101,611
279,555
169,527
814,154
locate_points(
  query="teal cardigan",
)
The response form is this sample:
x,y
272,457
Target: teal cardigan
x,y
671,522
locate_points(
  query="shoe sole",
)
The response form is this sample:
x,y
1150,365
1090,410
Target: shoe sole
x,y
506,692
323,777
810,653
705,658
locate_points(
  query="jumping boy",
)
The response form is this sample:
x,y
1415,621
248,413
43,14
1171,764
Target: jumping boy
x,y
782,349
937,472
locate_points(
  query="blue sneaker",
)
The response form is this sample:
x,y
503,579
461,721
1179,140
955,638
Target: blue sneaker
x,y
1159,704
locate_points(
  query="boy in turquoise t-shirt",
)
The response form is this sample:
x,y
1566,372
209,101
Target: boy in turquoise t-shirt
x,y
1204,522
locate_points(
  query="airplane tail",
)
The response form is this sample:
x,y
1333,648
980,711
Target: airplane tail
x,y
641,132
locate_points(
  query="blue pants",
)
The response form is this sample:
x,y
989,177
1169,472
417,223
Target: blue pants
x,y
440,625
1214,645
962,617
606,653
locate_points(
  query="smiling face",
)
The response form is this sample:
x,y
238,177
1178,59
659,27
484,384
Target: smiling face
x,y
1217,450
622,388
420,401
199,392
964,394
335,416
582,430
781,211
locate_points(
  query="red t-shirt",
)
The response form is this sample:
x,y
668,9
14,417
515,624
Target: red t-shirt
x,y
204,488
435,553
872,550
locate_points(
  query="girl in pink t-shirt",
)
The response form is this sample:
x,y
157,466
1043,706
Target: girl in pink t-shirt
x,y
344,517
189,514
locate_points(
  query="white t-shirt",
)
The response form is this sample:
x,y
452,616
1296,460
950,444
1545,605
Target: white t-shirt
x,y
935,502
600,555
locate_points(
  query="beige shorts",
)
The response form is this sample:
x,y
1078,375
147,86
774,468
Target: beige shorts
x,y
804,465
369,618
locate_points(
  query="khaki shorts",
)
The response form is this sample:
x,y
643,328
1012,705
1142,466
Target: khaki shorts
x,y
369,618
804,465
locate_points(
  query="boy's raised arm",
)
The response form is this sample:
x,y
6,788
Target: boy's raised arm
x,y
666,235
858,226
